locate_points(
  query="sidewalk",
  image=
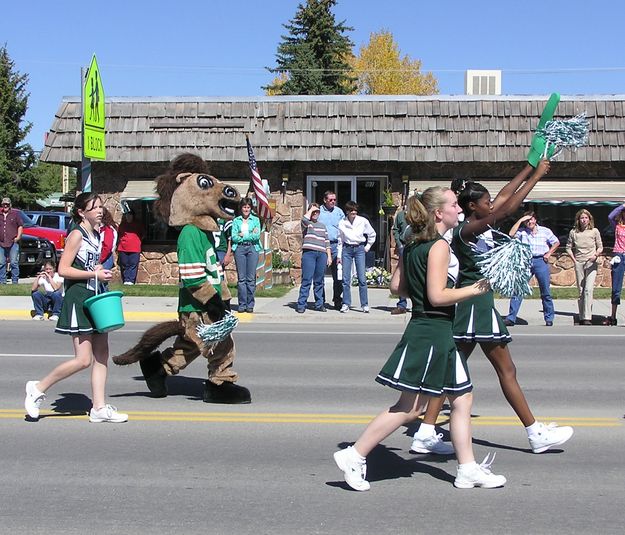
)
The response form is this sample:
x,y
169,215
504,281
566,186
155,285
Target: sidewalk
x,y
156,309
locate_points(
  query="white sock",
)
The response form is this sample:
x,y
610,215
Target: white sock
x,y
425,431
356,454
533,429
466,466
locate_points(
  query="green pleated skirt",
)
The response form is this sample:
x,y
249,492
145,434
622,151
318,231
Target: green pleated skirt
x,y
426,360
477,320
74,318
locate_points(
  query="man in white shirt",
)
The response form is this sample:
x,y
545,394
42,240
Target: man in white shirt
x,y
356,236
47,293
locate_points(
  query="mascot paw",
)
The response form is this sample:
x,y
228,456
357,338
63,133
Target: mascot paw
x,y
154,375
226,393
215,308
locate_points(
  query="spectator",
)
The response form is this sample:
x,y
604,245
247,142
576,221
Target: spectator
x,y
11,226
584,247
617,220
223,248
316,255
399,230
356,236
543,243
223,242
246,247
331,215
47,293
108,230
131,233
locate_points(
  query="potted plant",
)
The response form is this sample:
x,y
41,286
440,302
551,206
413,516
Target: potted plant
x,y
388,207
280,268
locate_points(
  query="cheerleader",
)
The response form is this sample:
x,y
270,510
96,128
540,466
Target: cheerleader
x,y
425,364
476,320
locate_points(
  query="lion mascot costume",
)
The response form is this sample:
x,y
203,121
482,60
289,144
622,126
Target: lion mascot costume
x,y
191,199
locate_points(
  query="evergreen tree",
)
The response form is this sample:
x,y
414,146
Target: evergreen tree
x,y
16,157
314,55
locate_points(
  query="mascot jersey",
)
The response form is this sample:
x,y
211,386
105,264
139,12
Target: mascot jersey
x,y
198,264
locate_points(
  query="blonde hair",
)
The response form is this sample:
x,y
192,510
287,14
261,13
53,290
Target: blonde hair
x,y
420,213
591,220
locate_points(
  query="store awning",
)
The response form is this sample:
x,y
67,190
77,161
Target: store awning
x,y
143,190
551,192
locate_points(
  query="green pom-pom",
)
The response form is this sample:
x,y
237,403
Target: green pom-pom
x,y
507,266
212,334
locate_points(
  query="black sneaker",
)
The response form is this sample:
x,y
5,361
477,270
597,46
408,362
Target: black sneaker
x,y
508,323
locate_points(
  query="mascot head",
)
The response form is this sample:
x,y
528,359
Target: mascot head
x,y
189,195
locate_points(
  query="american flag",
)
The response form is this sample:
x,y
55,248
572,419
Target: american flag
x,y
263,206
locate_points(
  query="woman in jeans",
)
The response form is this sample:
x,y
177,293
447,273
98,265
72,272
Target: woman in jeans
x,y
246,246
356,236
316,255
584,247
617,220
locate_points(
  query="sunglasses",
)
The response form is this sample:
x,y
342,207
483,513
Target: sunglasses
x,y
5,204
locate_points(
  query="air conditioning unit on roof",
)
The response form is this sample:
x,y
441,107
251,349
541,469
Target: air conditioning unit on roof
x,y
478,82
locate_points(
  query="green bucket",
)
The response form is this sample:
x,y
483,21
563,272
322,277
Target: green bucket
x,y
106,311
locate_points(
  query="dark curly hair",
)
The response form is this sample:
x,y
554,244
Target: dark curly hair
x,y
467,191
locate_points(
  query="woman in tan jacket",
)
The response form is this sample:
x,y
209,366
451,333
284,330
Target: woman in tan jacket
x,y
584,247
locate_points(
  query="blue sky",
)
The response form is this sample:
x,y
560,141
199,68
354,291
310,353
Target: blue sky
x,y
220,48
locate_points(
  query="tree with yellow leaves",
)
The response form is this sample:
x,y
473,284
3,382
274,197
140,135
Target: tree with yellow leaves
x,y
380,69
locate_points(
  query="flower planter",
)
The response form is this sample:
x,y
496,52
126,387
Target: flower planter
x,y
389,210
281,276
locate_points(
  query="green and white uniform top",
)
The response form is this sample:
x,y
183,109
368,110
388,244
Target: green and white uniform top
x,y
197,262
415,258
74,319
476,319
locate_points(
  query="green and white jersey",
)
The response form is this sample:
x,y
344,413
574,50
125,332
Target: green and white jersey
x,y
198,264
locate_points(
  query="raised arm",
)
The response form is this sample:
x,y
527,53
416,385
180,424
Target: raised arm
x,y
507,207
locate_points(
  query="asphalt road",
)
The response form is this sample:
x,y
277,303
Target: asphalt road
x,y
182,466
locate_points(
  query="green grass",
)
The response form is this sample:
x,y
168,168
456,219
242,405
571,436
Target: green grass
x,y
147,290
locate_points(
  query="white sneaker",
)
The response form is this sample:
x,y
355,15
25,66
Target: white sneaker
x,y
344,308
365,310
108,413
431,444
54,317
33,400
549,436
479,475
354,470
37,317
128,283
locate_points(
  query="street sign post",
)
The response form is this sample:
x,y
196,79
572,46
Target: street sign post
x,y
93,109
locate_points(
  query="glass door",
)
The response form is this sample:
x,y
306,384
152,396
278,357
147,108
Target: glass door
x,y
366,191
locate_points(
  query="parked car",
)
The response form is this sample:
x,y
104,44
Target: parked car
x,y
56,236
58,220
33,253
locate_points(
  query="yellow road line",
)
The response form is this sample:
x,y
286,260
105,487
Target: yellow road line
x,y
303,418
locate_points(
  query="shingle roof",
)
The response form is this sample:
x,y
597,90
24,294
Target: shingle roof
x,y
353,128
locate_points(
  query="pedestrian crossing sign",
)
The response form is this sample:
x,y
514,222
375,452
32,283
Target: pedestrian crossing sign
x,y
93,110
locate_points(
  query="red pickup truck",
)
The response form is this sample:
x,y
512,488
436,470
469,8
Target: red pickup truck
x,y
56,236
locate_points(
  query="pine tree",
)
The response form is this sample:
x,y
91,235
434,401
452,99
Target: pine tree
x,y
314,55
16,157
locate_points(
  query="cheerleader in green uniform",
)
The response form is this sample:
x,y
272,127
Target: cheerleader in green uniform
x,y
425,363
477,321
79,265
